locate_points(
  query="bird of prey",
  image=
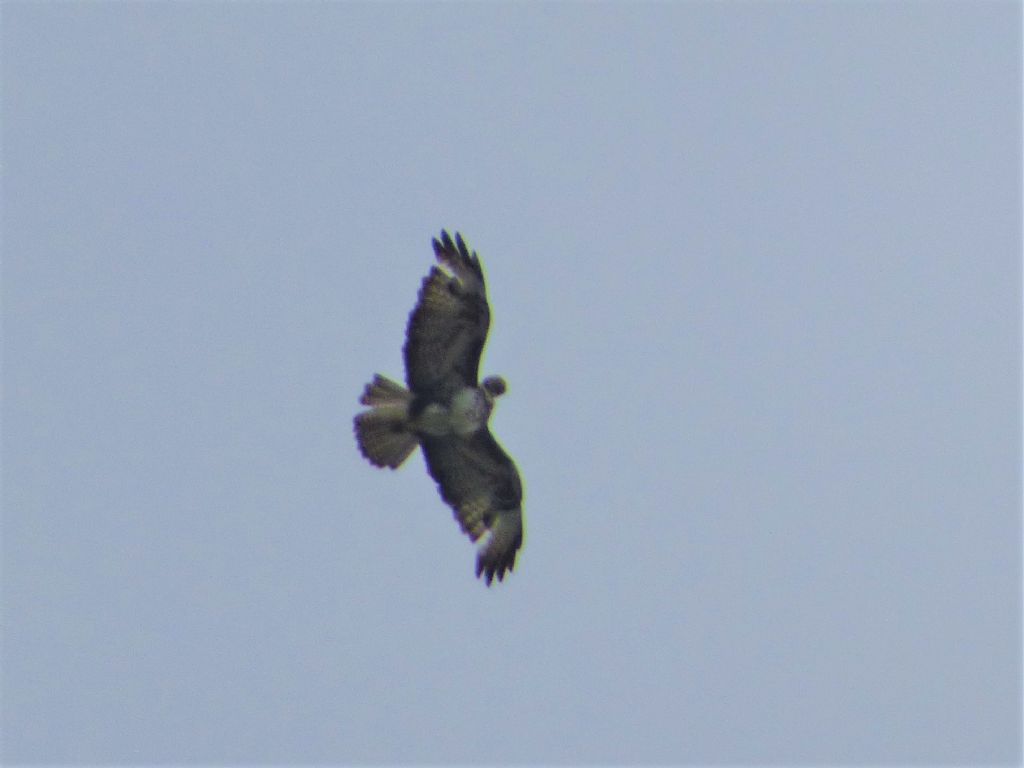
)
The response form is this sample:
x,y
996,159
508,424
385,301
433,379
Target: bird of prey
x,y
445,409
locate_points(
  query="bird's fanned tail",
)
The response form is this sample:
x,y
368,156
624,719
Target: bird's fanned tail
x,y
383,431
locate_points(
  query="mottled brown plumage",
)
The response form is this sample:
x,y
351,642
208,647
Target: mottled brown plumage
x,y
446,410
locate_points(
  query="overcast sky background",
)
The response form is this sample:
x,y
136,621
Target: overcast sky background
x,y
755,279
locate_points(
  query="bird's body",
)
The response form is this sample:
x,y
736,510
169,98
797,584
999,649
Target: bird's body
x,y
469,410
446,411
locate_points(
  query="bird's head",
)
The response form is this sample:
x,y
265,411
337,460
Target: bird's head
x,y
493,387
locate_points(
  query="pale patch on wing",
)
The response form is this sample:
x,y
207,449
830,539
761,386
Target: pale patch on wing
x,y
472,516
484,541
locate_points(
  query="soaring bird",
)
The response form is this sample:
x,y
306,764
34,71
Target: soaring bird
x,y
445,409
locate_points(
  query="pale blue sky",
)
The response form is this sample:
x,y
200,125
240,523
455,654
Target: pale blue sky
x,y
756,287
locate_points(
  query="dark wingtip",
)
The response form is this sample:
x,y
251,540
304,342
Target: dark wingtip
x,y
446,243
456,251
499,568
457,246
463,249
487,573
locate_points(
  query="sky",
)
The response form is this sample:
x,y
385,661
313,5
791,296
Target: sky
x,y
755,279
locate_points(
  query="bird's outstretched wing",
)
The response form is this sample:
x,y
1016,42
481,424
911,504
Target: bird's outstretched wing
x,y
448,327
479,481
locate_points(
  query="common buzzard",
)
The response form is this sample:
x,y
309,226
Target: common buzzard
x,y
445,410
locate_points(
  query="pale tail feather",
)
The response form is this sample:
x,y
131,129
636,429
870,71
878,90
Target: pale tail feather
x,y
382,432
384,391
